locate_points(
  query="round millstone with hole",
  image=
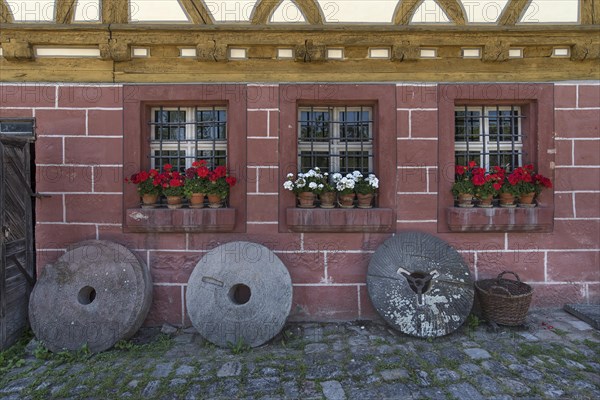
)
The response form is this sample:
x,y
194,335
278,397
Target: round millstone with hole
x,y
239,293
95,294
420,285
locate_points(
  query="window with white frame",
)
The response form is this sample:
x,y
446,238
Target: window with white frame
x,y
181,135
489,135
335,139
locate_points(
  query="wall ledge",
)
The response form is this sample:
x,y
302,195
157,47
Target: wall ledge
x,y
179,220
340,220
498,219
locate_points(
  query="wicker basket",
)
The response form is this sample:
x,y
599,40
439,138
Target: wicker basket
x,y
504,301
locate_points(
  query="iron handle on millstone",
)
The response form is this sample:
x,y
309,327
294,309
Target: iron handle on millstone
x,y
419,282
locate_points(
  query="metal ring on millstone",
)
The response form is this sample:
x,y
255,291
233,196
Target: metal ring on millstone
x,y
96,294
420,285
239,292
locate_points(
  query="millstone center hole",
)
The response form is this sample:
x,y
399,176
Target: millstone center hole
x,y
240,294
420,282
86,295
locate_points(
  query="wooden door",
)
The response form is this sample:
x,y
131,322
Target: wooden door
x,y
17,269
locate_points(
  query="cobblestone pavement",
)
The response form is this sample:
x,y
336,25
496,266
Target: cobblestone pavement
x,y
554,356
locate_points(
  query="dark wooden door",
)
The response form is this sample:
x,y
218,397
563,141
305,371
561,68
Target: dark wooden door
x,y
17,268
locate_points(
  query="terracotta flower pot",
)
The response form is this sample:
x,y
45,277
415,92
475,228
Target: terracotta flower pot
x,y
306,200
465,200
346,200
365,200
526,200
485,202
149,200
507,200
174,202
215,201
197,200
327,200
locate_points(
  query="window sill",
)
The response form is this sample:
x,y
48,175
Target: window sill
x,y
180,220
340,220
498,219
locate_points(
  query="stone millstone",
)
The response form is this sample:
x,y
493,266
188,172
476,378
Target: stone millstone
x,y
96,294
239,292
445,300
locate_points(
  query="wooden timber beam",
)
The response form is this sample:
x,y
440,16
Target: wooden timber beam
x,y
65,10
453,10
404,11
5,14
197,12
264,9
115,11
589,12
512,12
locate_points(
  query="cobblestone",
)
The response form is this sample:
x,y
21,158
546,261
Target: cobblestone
x,y
328,361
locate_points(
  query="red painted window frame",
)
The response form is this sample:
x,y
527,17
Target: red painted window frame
x,y
537,103
382,99
138,103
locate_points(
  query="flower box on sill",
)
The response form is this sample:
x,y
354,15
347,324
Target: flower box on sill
x,y
340,220
499,219
180,220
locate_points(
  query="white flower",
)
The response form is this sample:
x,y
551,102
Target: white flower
x,y
349,176
325,173
312,185
321,186
288,185
357,174
373,181
300,183
300,175
336,177
290,175
310,173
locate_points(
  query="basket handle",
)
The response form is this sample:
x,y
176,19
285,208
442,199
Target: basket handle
x,y
500,275
500,287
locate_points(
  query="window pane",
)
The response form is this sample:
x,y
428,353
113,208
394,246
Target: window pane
x,y
467,126
354,125
461,158
169,125
173,157
211,124
314,125
506,159
14,127
354,160
310,160
213,158
503,121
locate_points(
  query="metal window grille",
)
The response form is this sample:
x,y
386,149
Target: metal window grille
x,y
335,139
18,127
181,135
489,136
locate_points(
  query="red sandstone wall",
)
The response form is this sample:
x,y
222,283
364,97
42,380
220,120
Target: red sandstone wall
x,y
80,164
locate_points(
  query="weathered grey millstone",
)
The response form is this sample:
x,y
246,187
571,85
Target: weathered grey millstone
x,y
96,294
239,292
445,301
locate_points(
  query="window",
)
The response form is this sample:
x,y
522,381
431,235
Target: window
x,y
337,128
488,135
179,136
495,124
17,127
179,124
335,139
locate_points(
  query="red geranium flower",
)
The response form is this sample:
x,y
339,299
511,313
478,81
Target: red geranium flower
x,y
167,167
230,180
460,170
